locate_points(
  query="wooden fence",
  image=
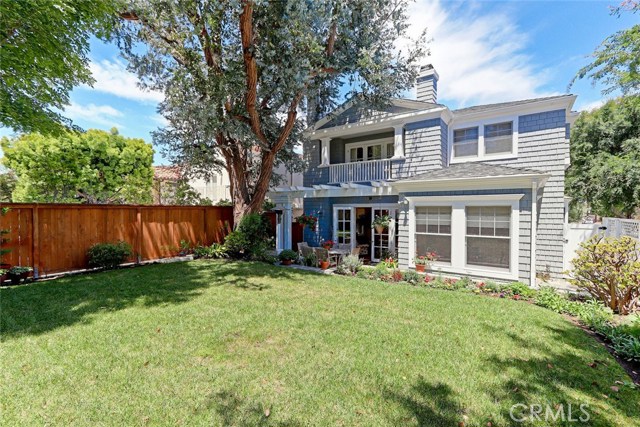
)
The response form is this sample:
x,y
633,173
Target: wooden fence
x,y
53,238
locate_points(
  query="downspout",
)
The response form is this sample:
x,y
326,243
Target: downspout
x,y
534,233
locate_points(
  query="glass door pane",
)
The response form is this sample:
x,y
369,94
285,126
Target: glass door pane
x,y
343,228
380,242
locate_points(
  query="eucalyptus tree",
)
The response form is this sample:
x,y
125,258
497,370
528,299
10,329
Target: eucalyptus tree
x,y
237,74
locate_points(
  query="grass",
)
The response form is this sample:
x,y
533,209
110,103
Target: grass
x,y
219,343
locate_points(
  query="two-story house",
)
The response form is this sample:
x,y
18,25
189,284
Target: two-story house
x,y
472,185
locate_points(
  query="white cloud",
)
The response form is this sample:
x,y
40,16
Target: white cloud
x,y
113,78
160,120
592,105
97,114
479,55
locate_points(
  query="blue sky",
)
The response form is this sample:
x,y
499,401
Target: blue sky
x,y
484,51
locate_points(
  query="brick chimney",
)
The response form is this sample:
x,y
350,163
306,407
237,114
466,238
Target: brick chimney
x,y
427,84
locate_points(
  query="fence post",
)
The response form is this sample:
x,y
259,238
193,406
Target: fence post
x,y
35,230
206,240
139,239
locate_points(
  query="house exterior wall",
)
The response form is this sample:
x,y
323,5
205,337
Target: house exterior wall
x,y
524,254
543,146
322,208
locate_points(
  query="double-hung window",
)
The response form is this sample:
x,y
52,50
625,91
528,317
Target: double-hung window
x,y
488,236
433,231
465,142
498,138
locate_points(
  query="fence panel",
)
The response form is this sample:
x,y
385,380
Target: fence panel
x,y
616,227
54,238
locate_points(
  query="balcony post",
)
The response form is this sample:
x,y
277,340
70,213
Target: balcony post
x,y
398,142
325,155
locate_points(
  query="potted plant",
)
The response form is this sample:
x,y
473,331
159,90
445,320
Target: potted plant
x,y
307,220
381,223
422,261
327,244
17,273
287,256
324,263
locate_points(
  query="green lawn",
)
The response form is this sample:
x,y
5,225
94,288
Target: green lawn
x,y
221,343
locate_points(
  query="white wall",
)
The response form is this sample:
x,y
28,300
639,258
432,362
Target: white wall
x,y
214,189
575,234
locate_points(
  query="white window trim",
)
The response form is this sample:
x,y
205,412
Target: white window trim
x,y
392,207
480,124
458,205
381,141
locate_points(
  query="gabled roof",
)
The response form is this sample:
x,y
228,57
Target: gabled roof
x,y
471,170
352,112
485,107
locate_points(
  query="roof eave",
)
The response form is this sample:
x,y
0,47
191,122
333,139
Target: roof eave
x,y
473,183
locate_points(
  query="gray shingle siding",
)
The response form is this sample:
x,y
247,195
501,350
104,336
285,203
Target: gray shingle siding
x,y
543,146
422,148
313,174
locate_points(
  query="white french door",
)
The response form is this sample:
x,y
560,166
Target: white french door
x,y
344,226
383,243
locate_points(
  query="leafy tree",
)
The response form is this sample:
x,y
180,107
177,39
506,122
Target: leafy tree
x,y
617,60
236,75
44,46
605,154
7,185
91,167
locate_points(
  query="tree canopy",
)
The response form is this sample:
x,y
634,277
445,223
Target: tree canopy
x,y
617,60
90,167
237,74
44,46
605,158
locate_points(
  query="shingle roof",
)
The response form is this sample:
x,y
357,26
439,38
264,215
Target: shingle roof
x,y
506,104
471,170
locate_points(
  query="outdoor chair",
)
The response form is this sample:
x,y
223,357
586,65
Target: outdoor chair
x,y
305,250
321,254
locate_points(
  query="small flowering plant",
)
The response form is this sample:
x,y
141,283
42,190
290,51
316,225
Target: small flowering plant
x,y
391,263
307,220
426,258
328,244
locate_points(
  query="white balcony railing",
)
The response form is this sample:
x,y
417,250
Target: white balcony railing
x,y
371,170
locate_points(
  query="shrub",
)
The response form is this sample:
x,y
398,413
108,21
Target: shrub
x,y
256,228
519,289
250,240
366,272
549,298
609,270
216,250
109,255
288,255
349,265
310,260
412,277
396,276
381,272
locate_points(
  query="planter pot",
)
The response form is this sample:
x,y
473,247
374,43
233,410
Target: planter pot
x,y
324,265
17,278
420,268
380,228
286,262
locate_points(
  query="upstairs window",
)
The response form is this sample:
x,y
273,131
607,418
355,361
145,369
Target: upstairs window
x,y
465,142
498,138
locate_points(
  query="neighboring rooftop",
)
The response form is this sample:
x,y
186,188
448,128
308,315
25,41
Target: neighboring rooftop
x,y
167,173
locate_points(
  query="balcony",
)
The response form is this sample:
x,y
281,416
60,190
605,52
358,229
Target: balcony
x,y
371,170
